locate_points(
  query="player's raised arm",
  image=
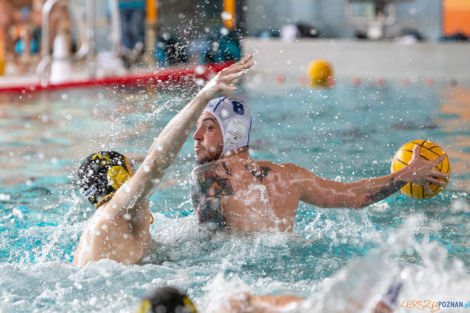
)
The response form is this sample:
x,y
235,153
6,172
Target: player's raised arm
x,y
167,145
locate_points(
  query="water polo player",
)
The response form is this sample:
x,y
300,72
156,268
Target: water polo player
x,y
232,190
166,299
171,300
120,227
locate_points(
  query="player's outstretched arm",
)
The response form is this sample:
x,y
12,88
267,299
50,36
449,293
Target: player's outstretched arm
x,y
333,194
167,145
247,303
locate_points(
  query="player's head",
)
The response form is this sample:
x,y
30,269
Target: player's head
x,y
101,174
223,126
167,300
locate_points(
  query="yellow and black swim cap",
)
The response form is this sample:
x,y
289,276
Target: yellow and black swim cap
x,y
166,299
101,174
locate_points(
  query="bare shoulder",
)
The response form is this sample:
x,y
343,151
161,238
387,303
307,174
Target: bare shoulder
x,y
211,171
213,178
102,219
220,167
288,169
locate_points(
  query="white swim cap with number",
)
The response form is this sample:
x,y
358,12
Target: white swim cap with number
x,y
234,119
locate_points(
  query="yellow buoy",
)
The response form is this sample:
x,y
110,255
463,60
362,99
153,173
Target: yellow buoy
x,y
320,73
429,151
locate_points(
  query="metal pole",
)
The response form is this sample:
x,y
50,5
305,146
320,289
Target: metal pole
x,y
115,27
46,10
84,47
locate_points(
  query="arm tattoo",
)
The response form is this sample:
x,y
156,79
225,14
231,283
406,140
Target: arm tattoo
x,y
392,187
259,174
208,184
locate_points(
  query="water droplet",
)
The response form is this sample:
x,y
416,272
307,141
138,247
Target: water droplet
x,y
226,16
199,70
224,31
224,113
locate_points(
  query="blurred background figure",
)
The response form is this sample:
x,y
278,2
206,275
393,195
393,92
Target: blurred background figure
x,y
222,45
132,18
290,32
20,23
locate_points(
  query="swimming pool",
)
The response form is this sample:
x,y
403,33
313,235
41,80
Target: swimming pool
x,y
344,133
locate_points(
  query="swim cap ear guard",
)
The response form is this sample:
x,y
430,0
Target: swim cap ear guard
x,y
234,119
101,174
166,299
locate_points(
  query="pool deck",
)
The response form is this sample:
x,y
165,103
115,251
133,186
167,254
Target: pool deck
x,y
287,61
362,59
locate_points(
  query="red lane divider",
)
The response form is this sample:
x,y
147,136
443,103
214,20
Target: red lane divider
x,y
174,75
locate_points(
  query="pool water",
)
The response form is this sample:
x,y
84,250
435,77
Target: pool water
x,y
340,259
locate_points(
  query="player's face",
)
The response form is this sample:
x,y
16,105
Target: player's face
x,y
208,139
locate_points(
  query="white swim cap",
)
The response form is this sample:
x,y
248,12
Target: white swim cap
x,y
234,119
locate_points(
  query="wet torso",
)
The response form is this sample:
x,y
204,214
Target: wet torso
x,y
245,195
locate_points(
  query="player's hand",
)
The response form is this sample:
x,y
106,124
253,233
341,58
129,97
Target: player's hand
x,y
226,79
423,172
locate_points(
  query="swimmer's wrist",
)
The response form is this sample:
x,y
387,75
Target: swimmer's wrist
x,y
204,96
404,175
